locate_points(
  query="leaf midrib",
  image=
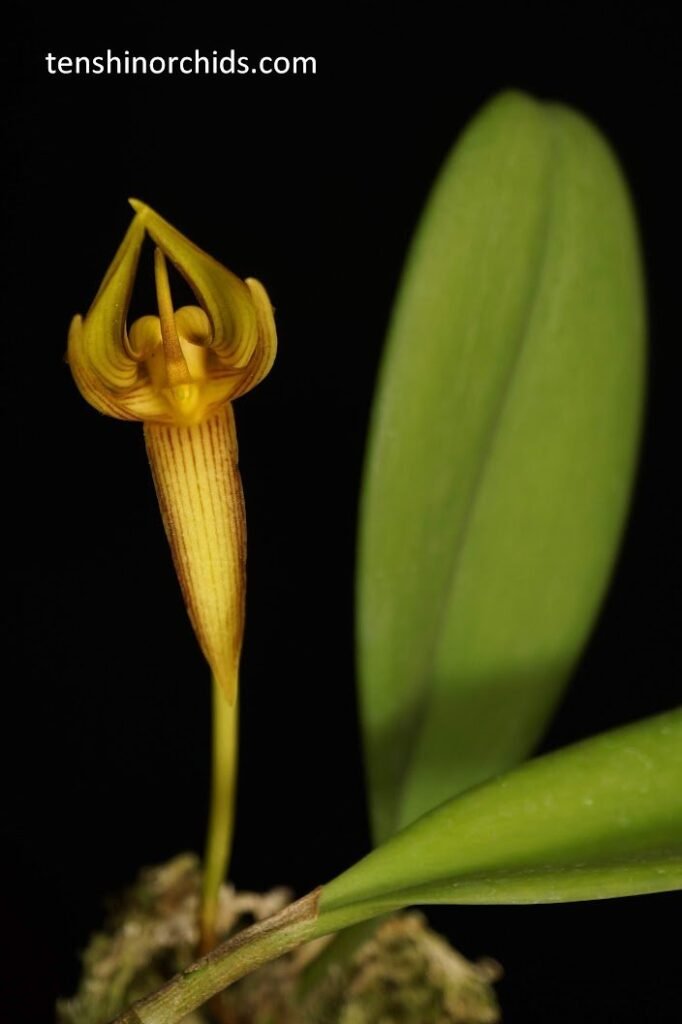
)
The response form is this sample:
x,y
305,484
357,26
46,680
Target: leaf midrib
x,y
487,447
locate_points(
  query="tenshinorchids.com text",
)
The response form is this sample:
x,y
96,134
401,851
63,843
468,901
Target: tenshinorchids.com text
x,y
196,63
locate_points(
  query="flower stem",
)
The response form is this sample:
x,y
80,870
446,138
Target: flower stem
x,y
221,813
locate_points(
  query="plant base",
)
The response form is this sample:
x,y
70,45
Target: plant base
x,y
403,974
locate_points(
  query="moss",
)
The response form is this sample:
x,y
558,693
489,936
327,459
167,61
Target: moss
x,y
403,974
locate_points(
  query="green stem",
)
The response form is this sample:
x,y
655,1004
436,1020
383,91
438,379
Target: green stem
x,y
246,951
221,813
240,955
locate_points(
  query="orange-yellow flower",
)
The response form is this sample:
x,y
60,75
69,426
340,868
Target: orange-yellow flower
x,y
178,372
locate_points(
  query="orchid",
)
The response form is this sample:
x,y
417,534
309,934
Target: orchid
x,y
178,373
500,463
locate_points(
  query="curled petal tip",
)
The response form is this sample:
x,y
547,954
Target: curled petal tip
x,y
137,205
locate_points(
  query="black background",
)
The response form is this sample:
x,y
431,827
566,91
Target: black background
x,y
314,186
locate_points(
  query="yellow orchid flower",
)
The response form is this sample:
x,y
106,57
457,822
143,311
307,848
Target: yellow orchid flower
x,y
178,372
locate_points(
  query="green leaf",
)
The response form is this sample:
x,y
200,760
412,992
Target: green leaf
x,y
598,819
501,454
602,818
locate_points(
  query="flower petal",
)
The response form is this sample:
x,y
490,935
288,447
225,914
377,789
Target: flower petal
x,y
98,353
261,362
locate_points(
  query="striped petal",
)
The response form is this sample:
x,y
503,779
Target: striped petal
x,y
200,494
98,351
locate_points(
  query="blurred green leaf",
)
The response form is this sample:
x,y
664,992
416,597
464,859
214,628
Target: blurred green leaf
x,y
501,453
598,819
